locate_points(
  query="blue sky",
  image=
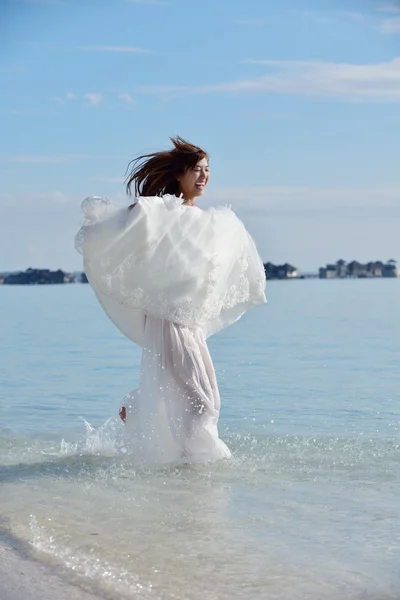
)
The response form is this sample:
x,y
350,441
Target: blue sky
x,y
297,102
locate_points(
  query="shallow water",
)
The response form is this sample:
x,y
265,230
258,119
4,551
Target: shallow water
x,y
307,508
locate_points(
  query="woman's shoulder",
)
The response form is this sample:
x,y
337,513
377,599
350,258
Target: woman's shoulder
x,y
156,202
225,212
96,208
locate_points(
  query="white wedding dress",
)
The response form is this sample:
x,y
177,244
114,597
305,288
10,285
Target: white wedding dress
x,y
169,276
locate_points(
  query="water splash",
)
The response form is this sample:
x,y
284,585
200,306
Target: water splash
x,y
106,440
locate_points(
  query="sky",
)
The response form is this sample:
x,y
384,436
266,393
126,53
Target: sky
x,y
296,101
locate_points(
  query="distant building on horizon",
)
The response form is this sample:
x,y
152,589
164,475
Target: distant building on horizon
x,y
285,271
356,270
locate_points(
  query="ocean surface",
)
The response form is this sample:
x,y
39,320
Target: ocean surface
x,y
309,506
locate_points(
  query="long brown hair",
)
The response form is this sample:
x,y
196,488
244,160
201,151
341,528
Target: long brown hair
x,y
156,174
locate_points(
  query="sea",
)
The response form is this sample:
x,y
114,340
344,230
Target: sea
x,y
307,508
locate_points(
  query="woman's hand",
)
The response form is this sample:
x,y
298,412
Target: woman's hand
x,y
122,414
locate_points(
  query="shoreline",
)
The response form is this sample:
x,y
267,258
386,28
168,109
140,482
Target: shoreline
x,y
23,577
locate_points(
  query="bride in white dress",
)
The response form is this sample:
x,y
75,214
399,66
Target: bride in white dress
x,y
169,275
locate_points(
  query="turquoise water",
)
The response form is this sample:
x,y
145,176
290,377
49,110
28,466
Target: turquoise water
x,y
307,508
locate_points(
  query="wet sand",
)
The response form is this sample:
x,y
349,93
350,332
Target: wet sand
x,y
22,578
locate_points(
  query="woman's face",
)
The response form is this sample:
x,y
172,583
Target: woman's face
x,y
193,182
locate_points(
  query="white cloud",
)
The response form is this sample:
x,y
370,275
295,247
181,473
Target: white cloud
x,y
51,159
56,197
122,49
386,26
379,81
13,69
125,98
390,26
303,199
251,21
332,16
273,116
63,99
351,82
110,179
149,2
6,196
35,159
93,99
59,197
389,7
352,15
51,2
319,17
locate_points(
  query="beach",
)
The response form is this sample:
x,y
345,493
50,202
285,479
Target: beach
x,y
308,506
22,578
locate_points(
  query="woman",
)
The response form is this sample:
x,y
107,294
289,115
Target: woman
x,y
169,275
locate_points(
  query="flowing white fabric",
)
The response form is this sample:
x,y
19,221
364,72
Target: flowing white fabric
x,y
190,266
169,276
173,416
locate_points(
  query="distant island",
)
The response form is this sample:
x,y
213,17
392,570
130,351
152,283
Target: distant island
x,y
285,271
356,270
340,270
41,276
46,276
